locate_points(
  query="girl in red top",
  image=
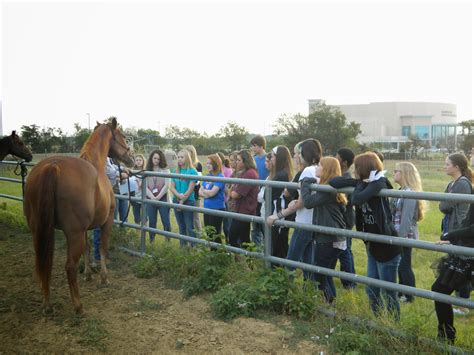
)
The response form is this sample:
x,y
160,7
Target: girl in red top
x,y
244,198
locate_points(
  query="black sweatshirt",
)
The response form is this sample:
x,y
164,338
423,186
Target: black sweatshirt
x,y
372,212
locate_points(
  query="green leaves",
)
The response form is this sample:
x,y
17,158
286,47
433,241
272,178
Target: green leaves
x,y
326,123
273,290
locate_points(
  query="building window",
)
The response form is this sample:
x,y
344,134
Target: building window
x,y
416,116
406,131
422,132
443,135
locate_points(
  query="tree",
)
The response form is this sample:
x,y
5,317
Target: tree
x,y
53,139
31,136
178,137
48,139
414,145
327,124
80,136
235,136
467,136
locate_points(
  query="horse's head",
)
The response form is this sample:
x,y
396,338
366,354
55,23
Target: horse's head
x,y
18,148
119,148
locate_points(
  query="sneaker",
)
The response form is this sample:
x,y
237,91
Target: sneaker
x,y
460,311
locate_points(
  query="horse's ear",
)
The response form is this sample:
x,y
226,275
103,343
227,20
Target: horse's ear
x,y
114,123
13,133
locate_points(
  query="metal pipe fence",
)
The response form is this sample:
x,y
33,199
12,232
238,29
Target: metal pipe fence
x,y
266,255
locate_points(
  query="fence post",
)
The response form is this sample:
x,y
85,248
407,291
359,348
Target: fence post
x,y
267,231
143,217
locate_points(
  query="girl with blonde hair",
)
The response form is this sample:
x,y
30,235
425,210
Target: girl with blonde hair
x,y
328,211
183,194
406,213
197,202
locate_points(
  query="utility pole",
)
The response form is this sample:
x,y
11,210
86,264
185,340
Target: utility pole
x,y
89,120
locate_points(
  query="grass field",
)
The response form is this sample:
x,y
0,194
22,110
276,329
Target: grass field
x,y
419,316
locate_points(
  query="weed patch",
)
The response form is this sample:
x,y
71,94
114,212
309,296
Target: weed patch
x,y
93,334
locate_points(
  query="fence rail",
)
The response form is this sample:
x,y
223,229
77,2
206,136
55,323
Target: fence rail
x,y
451,249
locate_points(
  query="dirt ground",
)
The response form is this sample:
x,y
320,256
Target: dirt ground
x,y
130,316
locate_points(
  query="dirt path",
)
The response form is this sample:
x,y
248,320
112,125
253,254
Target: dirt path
x,y
131,315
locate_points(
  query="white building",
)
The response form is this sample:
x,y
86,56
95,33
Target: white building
x,y
392,123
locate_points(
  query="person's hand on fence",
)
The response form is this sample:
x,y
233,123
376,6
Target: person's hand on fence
x,y
440,242
271,219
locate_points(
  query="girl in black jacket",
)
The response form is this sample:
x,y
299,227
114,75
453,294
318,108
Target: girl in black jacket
x,y
373,216
328,211
455,272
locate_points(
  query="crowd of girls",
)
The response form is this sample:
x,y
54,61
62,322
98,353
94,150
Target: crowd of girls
x,y
363,208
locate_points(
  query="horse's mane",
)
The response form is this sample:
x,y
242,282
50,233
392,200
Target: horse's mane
x,y
96,147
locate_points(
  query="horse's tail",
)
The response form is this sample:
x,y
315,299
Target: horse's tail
x,y
44,221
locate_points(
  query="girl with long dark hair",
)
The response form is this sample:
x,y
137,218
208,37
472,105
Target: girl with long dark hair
x,y
157,190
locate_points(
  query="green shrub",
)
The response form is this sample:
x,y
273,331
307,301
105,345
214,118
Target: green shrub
x,y
273,290
209,271
146,268
303,299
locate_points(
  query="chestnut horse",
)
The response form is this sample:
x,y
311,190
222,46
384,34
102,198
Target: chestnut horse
x,y
13,145
74,195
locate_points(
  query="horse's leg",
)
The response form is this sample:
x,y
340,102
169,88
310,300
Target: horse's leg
x,y
75,248
105,232
87,261
47,308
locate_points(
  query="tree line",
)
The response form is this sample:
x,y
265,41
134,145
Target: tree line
x,y
327,124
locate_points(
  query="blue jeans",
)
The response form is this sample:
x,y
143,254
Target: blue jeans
x,y
96,242
152,214
386,271
326,256
346,260
405,271
121,207
185,220
301,249
137,212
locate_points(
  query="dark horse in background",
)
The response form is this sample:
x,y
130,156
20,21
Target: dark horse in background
x,y
13,145
74,195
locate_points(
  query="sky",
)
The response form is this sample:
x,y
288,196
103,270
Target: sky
x,y
201,64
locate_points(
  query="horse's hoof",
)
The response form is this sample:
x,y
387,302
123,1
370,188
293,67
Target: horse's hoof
x,y
80,312
88,276
48,310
